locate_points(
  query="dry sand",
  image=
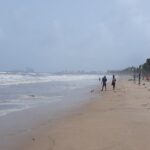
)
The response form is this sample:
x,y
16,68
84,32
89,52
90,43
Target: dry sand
x,y
117,120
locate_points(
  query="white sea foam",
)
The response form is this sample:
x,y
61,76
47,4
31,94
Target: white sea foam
x,y
25,102
8,111
22,100
14,79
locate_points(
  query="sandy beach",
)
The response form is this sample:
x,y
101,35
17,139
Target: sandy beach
x,y
56,59
113,121
110,121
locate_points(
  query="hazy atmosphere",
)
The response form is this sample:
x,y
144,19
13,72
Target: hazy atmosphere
x,y
55,35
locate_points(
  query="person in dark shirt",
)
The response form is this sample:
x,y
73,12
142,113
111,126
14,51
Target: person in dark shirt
x,y
104,81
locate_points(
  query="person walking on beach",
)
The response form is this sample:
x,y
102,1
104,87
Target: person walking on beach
x,y
104,81
113,82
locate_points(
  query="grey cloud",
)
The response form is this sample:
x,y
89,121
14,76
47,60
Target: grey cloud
x,y
58,35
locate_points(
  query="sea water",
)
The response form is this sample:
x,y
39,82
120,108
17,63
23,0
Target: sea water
x,y
20,91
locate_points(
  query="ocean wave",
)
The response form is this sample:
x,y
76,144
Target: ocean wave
x,y
27,78
25,102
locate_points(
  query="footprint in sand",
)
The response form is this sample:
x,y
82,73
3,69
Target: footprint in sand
x,y
52,143
92,91
145,105
33,139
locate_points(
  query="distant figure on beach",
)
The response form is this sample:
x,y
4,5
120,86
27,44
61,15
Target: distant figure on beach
x,y
147,78
134,77
139,76
113,82
104,81
99,79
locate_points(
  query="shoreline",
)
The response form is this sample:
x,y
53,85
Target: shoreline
x,y
109,120
118,120
19,128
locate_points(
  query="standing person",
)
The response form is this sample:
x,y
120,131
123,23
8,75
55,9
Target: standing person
x,y
104,80
139,76
99,79
134,77
113,82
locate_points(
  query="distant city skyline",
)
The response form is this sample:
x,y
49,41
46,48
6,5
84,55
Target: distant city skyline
x,y
52,36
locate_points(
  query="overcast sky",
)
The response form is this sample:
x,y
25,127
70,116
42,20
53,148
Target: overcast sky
x,y
55,35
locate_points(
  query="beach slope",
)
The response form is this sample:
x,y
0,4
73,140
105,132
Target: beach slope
x,y
117,120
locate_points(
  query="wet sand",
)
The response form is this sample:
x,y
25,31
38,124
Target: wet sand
x,y
117,120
